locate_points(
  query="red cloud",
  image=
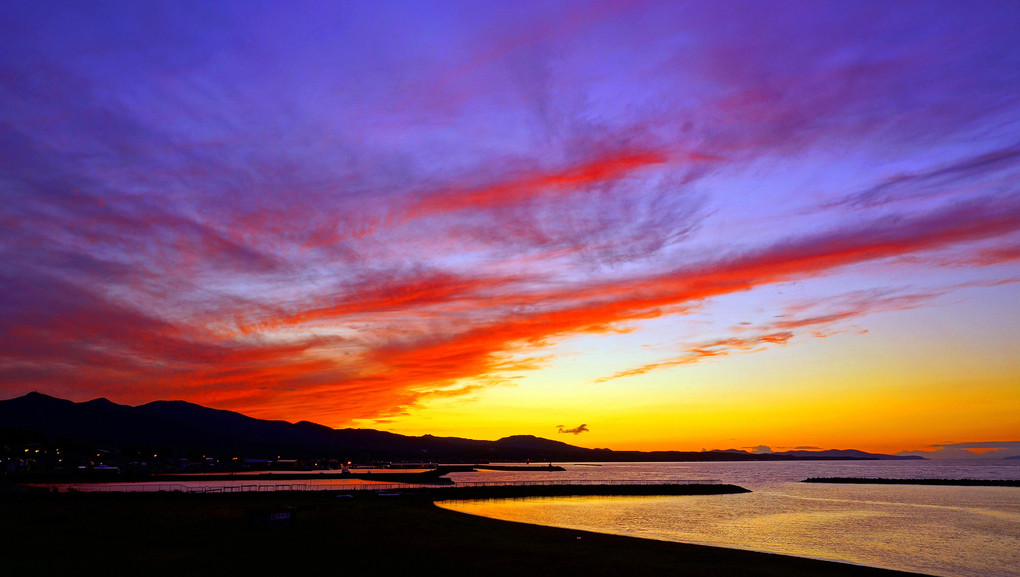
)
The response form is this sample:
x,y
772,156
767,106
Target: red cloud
x,y
409,368
540,183
424,335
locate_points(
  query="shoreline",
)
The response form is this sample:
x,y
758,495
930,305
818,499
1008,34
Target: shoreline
x,y
173,534
768,564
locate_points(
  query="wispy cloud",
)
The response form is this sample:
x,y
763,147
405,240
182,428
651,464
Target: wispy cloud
x,y
993,165
795,320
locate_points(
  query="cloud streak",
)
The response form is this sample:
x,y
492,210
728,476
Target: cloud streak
x,y
1000,163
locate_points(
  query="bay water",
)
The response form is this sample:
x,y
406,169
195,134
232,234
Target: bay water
x,y
938,530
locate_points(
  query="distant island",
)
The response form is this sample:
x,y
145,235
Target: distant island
x,y
40,432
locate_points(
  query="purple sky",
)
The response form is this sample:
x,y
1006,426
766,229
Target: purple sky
x,y
399,213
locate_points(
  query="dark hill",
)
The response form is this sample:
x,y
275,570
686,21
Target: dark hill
x,y
186,427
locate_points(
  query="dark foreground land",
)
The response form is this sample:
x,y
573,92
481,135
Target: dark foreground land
x,y
181,534
947,482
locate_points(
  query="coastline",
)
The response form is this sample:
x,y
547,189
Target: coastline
x,y
172,534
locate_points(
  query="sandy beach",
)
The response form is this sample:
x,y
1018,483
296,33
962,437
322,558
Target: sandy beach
x,y
175,534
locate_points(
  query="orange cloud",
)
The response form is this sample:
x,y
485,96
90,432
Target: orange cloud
x,y
418,364
414,334
781,331
697,353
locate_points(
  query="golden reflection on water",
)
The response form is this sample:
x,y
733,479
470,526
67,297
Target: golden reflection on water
x,y
952,531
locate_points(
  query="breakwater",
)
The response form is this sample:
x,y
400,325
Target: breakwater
x,y
486,490
946,482
512,491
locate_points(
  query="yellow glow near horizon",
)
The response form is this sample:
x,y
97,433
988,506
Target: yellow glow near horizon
x,y
871,392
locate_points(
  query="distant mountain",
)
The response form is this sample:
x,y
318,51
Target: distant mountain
x,y
846,454
186,427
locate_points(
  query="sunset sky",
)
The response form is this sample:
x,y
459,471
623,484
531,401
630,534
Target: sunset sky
x,y
683,225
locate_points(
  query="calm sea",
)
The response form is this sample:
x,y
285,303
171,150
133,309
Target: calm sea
x,y
947,531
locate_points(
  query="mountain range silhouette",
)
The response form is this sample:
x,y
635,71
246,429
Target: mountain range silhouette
x,y
186,427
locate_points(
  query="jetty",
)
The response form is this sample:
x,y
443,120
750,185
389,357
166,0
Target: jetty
x,y
468,490
946,482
